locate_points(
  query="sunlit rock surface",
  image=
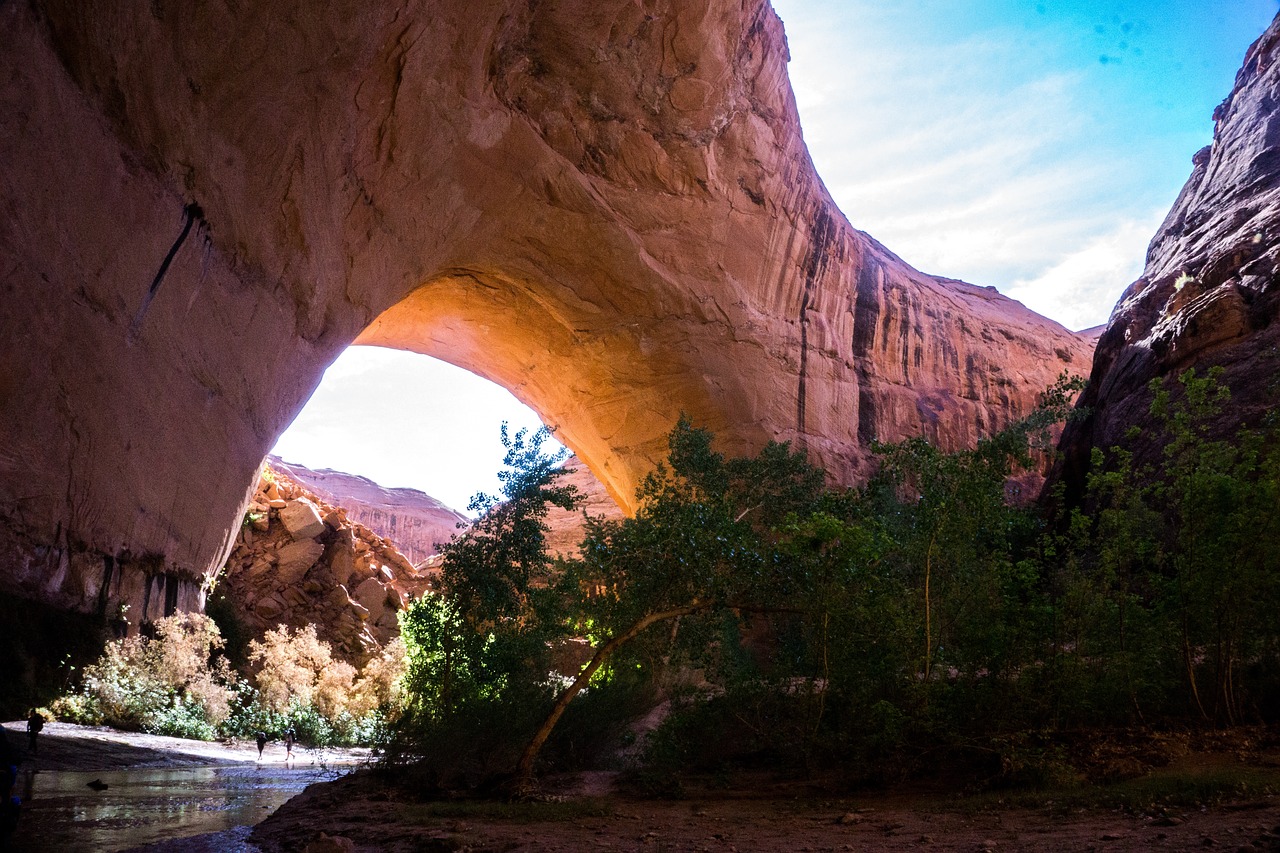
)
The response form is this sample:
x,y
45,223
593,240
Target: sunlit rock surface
x,y
1209,294
414,520
606,207
332,572
566,528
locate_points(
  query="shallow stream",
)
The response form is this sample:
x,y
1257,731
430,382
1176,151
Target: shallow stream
x,y
145,806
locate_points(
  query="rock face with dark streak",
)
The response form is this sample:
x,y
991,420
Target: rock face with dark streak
x,y
414,520
1210,294
605,206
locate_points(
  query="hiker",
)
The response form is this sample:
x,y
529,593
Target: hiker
x,y
262,743
288,744
35,725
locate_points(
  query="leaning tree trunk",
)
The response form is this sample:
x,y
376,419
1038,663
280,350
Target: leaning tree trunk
x,y
524,768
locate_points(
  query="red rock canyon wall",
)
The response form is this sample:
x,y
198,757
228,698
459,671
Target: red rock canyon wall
x,y
607,207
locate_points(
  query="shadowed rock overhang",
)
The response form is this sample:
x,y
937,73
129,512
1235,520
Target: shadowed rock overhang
x,y
606,207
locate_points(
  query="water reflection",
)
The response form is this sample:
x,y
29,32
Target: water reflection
x,y
144,806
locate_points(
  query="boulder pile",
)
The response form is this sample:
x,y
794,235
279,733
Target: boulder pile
x,y
299,560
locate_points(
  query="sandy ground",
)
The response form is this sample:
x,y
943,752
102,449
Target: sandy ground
x,y
63,746
354,815
366,812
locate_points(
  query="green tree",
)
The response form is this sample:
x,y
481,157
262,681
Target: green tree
x,y
1181,555
1221,537
698,544
963,548
479,652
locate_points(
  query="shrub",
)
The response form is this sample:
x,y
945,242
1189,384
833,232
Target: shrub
x,y
178,683
297,669
300,685
171,684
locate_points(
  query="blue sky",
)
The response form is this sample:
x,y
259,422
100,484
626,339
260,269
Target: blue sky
x,y
1031,145
1034,145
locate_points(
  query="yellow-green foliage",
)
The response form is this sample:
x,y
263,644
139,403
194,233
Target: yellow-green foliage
x,y
380,684
170,684
178,683
297,666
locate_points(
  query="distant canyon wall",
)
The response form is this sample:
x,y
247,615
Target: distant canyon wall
x,y
413,520
606,207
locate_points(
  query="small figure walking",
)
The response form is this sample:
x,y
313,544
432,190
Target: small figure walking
x,y
262,743
288,744
35,725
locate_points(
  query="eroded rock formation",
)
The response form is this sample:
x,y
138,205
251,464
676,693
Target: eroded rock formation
x,y
300,560
413,520
1209,294
606,207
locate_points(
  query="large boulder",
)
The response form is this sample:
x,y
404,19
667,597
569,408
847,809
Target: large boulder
x,y
302,519
296,559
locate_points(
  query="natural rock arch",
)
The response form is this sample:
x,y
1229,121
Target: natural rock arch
x,y
606,206
593,382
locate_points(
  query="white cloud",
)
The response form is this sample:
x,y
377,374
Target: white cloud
x,y
977,158
1081,288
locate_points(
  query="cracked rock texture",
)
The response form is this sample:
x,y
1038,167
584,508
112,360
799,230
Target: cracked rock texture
x,y
607,207
1210,294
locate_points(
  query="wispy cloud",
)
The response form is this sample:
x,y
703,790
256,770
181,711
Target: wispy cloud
x,y
1075,290
974,158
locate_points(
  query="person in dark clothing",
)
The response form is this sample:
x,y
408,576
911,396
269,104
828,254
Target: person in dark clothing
x,y
35,725
288,744
262,743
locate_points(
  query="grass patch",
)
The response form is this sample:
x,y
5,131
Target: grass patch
x,y
1162,789
532,812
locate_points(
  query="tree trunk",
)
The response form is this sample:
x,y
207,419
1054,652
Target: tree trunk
x,y
524,768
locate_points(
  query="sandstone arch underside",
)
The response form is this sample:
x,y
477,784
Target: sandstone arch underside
x,y
605,206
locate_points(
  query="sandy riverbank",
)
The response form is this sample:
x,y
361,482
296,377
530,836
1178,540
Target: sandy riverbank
x,y
360,815
63,746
